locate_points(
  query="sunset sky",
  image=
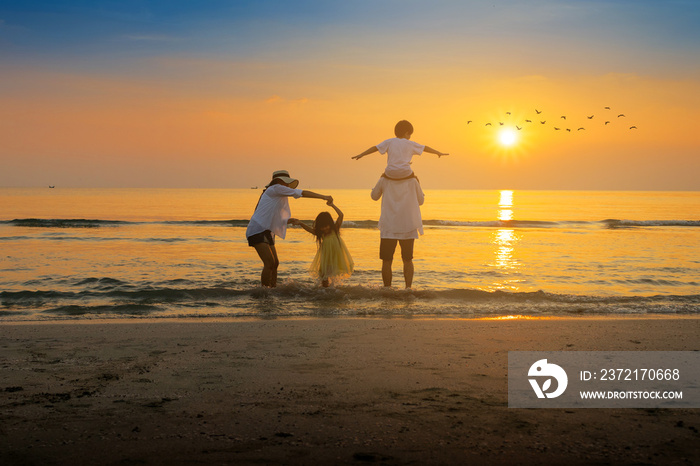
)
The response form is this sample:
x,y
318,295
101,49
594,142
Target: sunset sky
x,y
218,94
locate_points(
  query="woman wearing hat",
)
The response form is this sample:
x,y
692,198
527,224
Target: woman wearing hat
x,y
270,219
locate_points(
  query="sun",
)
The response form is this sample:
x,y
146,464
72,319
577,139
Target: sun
x,y
507,137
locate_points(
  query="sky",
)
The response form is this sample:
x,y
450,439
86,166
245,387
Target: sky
x,y
219,94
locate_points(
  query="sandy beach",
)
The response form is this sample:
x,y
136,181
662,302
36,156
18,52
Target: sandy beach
x,y
325,391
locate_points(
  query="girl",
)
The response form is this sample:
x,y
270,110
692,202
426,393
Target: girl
x,y
271,217
332,260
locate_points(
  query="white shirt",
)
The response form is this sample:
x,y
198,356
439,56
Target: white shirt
x,y
273,211
401,201
399,153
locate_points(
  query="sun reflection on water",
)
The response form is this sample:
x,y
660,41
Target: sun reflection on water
x,y
505,205
505,240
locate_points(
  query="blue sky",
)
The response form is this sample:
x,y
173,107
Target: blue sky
x,y
630,31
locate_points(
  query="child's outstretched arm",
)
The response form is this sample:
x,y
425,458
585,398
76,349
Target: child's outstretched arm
x,y
299,223
433,151
371,150
306,227
339,221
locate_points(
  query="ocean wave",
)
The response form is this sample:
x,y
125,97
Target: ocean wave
x,y
103,297
363,224
119,309
499,223
167,295
221,223
657,282
101,283
64,223
614,223
113,288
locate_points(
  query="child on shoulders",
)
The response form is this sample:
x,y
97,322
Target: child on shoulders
x,y
400,150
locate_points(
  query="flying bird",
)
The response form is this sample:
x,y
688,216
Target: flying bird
x,y
556,129
469,121
590,117
543,122
528,121
500,123
633,127
563,117
568,129
607,108
621,115
487,124
519,128
580,129
538,111
607,122
507,113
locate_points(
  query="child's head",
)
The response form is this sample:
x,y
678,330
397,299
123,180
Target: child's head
x,y
323,225
403,128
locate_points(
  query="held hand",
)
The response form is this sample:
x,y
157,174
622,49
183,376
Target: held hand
x,y
329,200
293,221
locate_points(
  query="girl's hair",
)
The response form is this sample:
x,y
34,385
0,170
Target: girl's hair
x,y
323,219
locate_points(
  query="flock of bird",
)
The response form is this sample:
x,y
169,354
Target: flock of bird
x,y
607,118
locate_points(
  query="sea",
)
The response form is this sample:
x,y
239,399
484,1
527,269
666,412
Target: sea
x,y
85,254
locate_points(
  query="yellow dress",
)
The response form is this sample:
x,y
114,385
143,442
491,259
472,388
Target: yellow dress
x,y
332,259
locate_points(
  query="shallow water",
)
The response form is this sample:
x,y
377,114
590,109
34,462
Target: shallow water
x,y
114,253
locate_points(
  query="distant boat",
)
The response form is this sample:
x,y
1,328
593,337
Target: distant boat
x,y
253,187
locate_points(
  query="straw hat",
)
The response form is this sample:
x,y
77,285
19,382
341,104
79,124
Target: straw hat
x,y
284,176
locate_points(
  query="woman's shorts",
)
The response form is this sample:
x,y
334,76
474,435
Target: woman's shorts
x,y
387,247
263,237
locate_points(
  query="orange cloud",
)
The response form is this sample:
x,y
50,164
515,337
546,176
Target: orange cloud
x,y
236,120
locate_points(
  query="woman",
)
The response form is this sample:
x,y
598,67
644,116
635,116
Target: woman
x,y
270,219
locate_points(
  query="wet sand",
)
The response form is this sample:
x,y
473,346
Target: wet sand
x,y
324,391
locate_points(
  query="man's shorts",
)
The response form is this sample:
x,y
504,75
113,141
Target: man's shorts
x,y
263,237
388,246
